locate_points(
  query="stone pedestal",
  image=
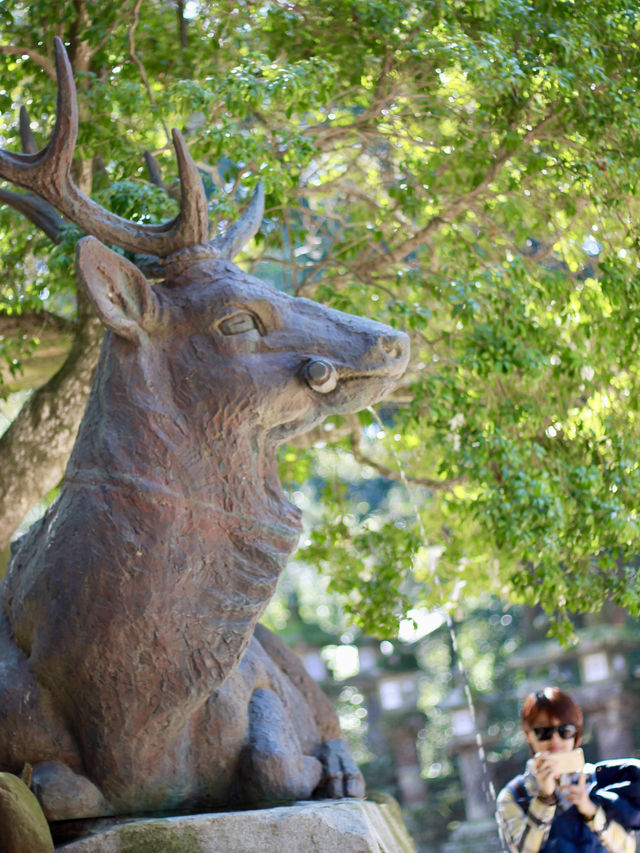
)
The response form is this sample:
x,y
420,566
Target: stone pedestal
x,y
327,826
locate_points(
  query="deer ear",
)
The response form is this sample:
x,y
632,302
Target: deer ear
x,y
121,295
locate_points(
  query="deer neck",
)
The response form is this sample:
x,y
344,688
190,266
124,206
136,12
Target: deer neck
x,y
182,516
135,436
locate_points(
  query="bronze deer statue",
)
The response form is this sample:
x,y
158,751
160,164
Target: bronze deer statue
x,y
133,674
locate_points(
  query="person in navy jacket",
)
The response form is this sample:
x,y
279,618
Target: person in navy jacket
x,y
596,810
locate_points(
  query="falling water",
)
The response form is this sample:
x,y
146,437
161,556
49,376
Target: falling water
x,y
488,786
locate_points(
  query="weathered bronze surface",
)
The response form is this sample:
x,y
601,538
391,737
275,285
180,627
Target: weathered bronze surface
x,y
133,675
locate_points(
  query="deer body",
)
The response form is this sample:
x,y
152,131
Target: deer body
x,y
135,676
134,601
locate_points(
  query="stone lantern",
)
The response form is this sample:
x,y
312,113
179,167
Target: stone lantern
x,y
389,681
398,695
596,673
607,696
479,833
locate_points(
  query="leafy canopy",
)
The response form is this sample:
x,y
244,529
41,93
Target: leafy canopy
x,y
465,171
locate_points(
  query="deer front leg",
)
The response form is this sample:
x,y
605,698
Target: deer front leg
x,y
341,776
273,766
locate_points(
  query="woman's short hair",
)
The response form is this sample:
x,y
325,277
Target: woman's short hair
x,y
556,704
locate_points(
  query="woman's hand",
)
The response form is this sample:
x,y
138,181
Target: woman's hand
x,y
545,769
578,796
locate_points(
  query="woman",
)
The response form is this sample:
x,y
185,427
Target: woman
x,y
598,812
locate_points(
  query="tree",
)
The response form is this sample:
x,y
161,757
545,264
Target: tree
x,y
466,171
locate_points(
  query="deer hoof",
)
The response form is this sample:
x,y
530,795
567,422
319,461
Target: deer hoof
x,y
64,794
341,777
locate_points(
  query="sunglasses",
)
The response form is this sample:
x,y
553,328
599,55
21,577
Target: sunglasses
x,y
566,731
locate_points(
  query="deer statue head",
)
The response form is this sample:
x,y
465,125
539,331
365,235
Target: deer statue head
x,y
137,595
209,325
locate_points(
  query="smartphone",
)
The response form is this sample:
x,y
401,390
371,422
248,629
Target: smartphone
x,y
568,762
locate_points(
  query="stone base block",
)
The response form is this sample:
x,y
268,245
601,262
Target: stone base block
x,y
325,826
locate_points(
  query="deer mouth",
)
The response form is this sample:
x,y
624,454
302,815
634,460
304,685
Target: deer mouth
x,y
349,393
377,381
388,373
338,390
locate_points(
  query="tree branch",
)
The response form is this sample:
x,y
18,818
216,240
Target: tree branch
x,y
47,64
502,155
35,323
396,475
143,74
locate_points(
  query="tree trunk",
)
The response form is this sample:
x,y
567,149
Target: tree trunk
x,y
35,448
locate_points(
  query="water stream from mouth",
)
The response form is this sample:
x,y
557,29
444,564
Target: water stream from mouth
x,y
487,784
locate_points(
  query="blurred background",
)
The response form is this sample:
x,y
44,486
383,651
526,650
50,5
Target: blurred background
x,y
404,709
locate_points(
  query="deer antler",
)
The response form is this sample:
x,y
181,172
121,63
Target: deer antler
x,y
238,235
47,173
231,241
40,212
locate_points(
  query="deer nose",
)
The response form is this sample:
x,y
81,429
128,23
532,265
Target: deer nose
x,y
396,346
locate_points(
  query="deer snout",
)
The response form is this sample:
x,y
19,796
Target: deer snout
x,y
389,353
395,346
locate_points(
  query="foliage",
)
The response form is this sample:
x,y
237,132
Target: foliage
x,y
465,171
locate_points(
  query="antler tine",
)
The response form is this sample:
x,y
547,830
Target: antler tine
x,y
193,219
40,212
239,234
48,174
27,140
35,170
153,170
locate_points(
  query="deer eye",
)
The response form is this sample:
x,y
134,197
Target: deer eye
x,y
238,323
